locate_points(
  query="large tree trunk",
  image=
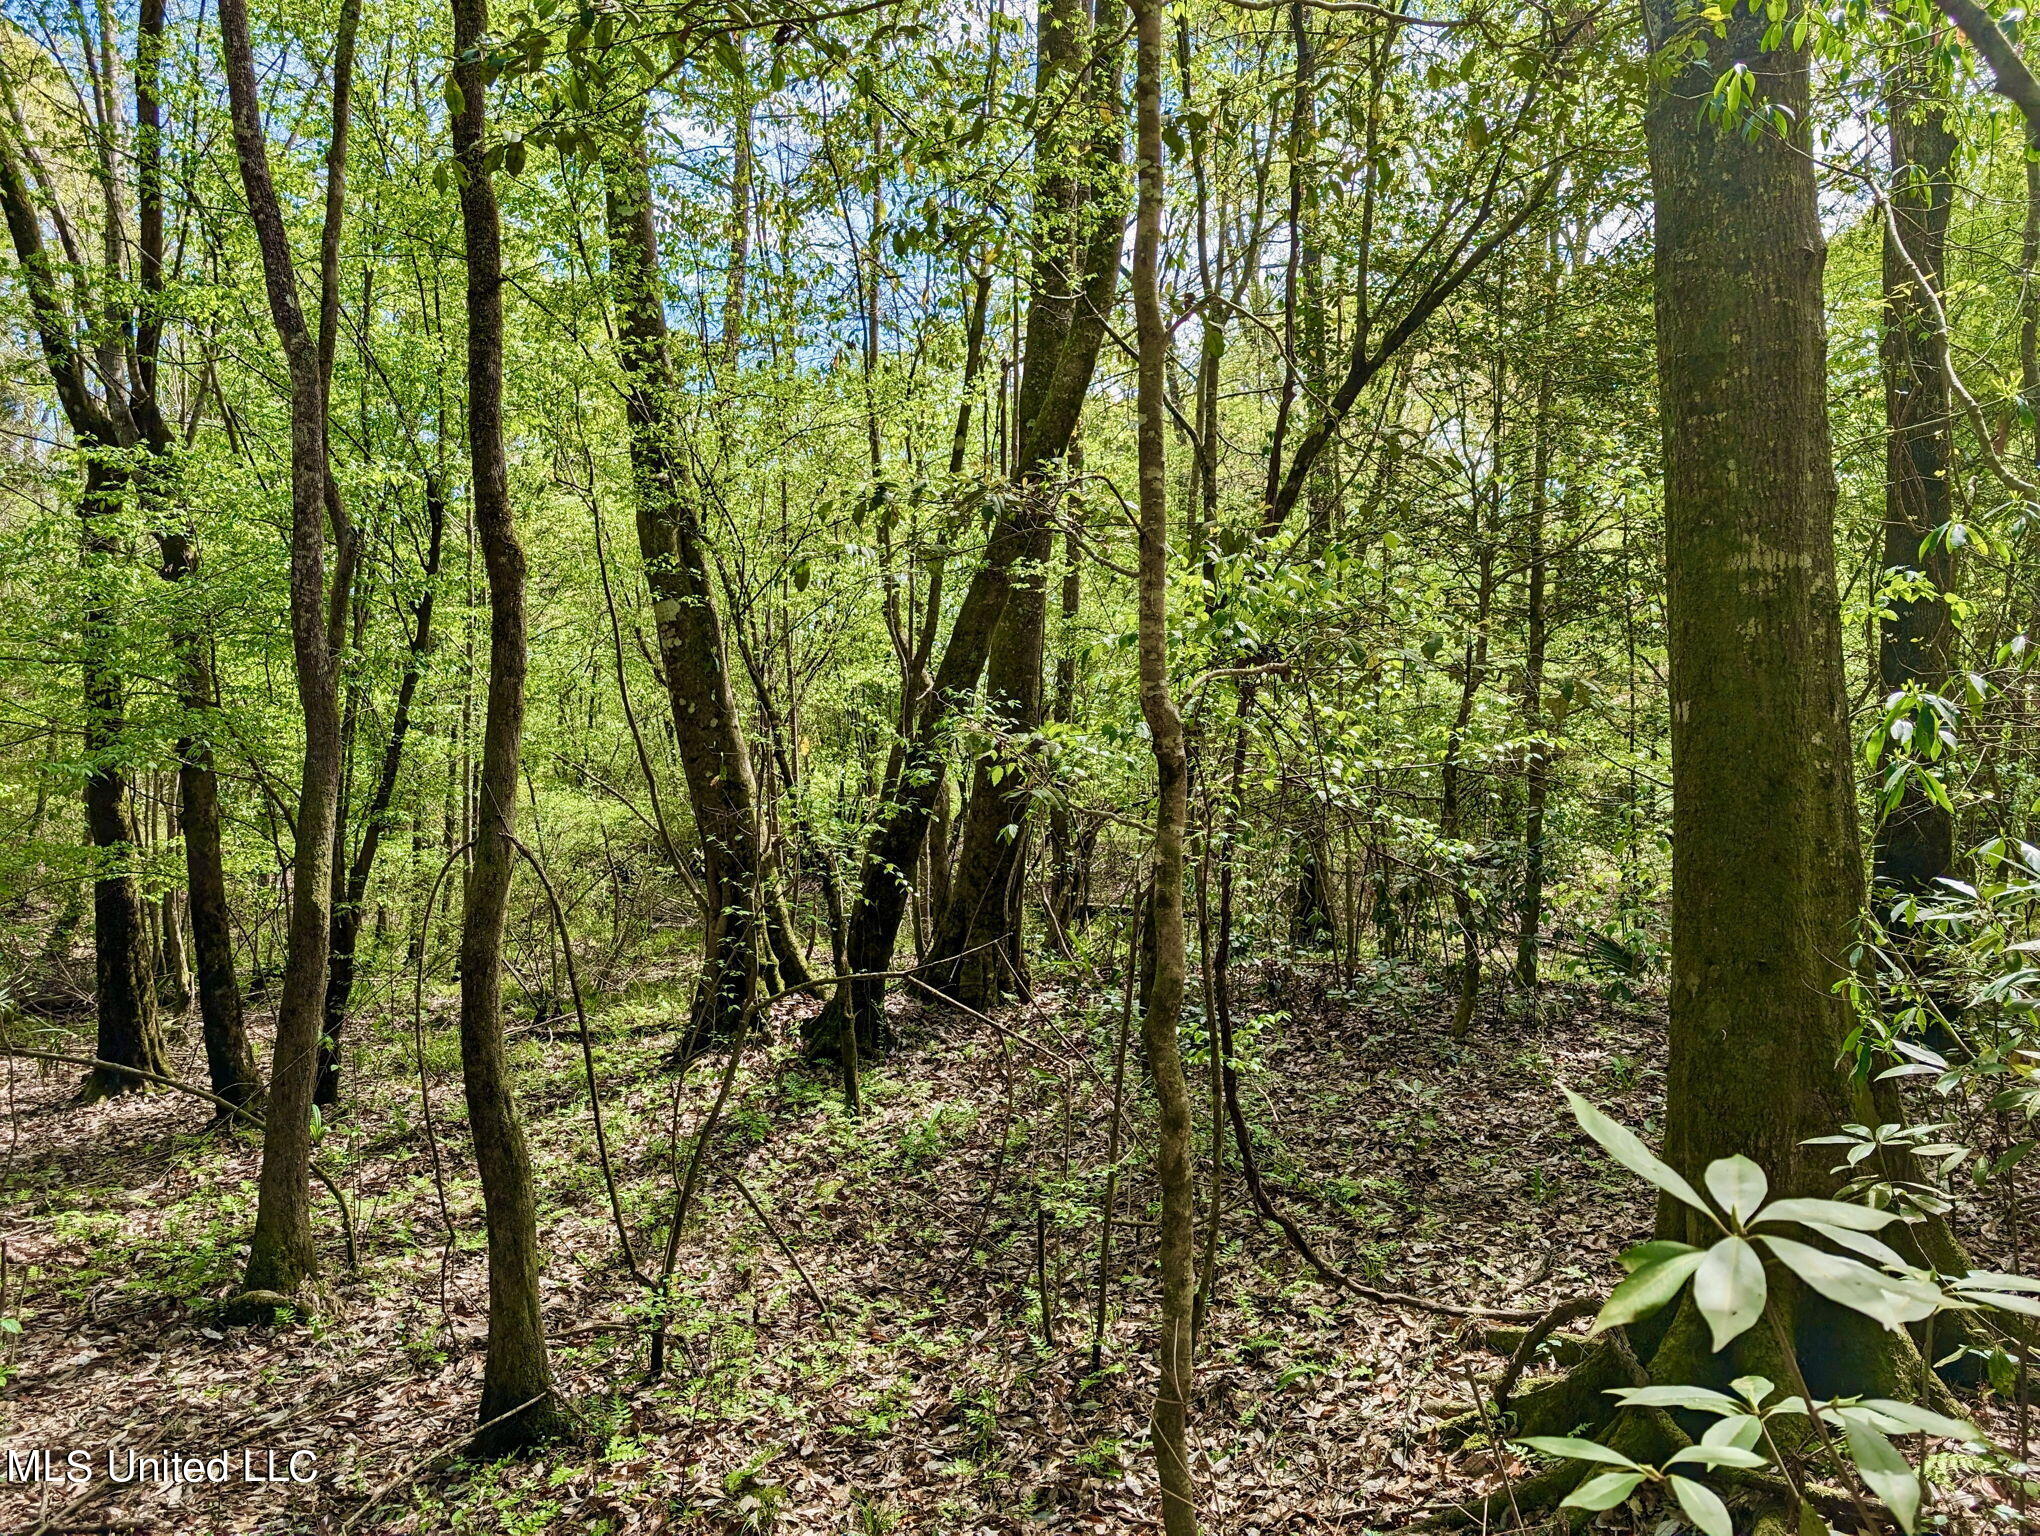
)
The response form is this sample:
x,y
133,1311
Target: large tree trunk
x,y
1767,881
1163,1006
347,910
706,723
281,1253
229,1058
518,1406
1916,840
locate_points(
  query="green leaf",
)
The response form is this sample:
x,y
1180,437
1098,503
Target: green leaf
x,y
1729,1289
1604,1491
1738,1185
1812,1523
1703,1507
1885,1472
1909,1418
1704,1399
1892,1301
1622,1144
1575,1450
1646,1290
1862,1243
1829,1213
1645,1254
1717,1456
1742,1430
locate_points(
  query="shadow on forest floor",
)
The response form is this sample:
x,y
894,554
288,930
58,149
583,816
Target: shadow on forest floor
x,y
932,1399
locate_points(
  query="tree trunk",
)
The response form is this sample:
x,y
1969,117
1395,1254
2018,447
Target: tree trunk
x,y
1916,839
706,723
100,428
1164,1003
124,965
1766,876
281,1253
1451,813
1536,640
518,1406
1080,236
347,910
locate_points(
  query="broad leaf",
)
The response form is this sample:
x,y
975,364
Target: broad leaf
x,y
1703,1507
1742,1430
1646,1290
1622,1144
1892,1301
1860,1242
1829,1213
1910,1418
2004,1303
1729,1289
1702,1398
1886,1473
1738,1185
1717,1456
1604,1491
1575,1450
1643,1255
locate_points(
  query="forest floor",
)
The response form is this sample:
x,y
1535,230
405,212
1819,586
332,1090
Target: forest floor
x,y
930,1396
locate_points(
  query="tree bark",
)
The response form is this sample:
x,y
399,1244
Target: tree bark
x,y
518,1407
281,1254
706,723
229,1058
1164,1003
1536,641
347,910
1766,878
1915,842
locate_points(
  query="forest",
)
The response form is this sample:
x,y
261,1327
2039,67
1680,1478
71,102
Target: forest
x,y
971,767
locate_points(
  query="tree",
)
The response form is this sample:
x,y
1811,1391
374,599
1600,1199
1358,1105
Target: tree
x,y
118,432
281,1254
1916,837
1079,233
518,1406
1766,863
1162,1006
721,787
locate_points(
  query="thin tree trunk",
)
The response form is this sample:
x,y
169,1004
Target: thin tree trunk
x,y
281,1253
1915,841
347,910
124,965
1451,808
1536,640
102,428
229,1058
518,1370
1172,809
